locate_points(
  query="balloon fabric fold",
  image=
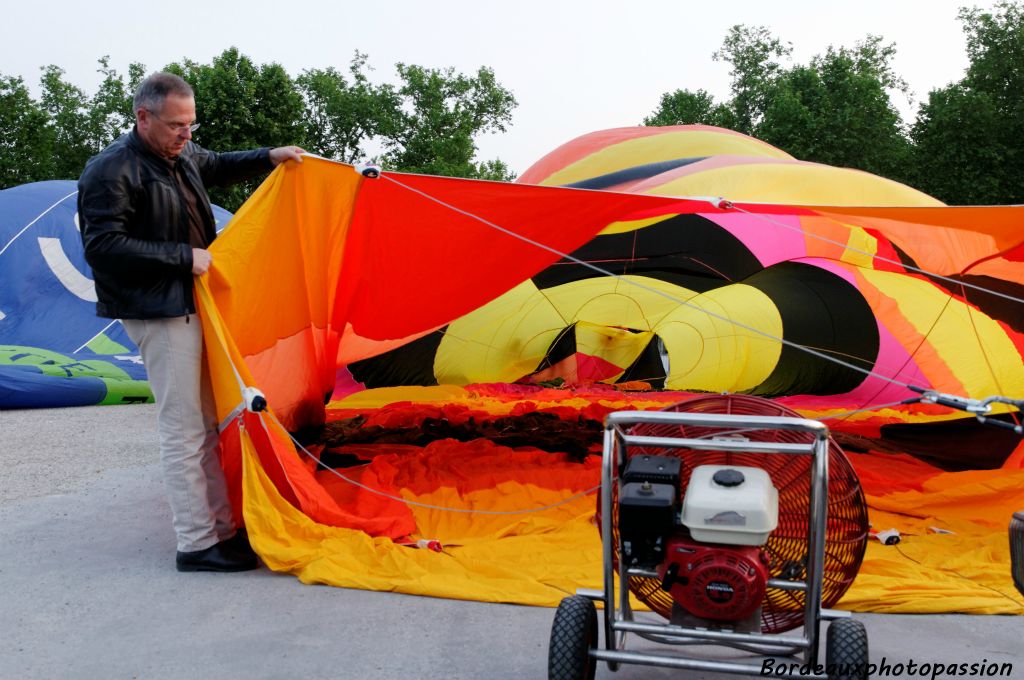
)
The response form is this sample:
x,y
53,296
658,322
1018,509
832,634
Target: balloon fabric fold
x,y
407,304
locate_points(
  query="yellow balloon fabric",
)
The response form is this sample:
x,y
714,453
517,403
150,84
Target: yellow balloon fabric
x,y
323,268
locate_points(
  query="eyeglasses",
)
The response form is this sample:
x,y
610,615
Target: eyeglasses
x,y
177,128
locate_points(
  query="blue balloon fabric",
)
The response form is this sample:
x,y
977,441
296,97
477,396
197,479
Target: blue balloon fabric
x,y
54,350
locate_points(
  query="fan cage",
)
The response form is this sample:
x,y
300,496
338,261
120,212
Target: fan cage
x,y
846,531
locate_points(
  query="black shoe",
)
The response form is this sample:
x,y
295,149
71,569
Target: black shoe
x,y
218,557
239,544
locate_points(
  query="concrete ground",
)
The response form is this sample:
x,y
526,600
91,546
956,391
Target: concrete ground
x,y
88,589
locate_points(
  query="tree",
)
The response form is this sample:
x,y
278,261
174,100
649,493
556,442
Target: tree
x,y
110,111
68,109
429,124
81,125
439,115
26,141
837,110
240,106
684,107
342,117
52,139
959,154
754,54
494,170
969,136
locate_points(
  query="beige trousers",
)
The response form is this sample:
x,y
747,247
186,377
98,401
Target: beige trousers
x,y
172,350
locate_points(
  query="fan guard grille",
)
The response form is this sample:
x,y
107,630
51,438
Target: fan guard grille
x,y
846,532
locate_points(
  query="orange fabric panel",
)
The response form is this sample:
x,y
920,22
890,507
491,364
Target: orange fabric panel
x,y
470,262
289,238
354,275
337,256
882,473
960,236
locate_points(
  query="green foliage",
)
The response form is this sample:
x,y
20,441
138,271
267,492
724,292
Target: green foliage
x,y
341,116
494,170
837,111
683,107
969,136
753,54
54,137
242,106
26,142
959,160
440,113
966,145
429,124
68,111
110,111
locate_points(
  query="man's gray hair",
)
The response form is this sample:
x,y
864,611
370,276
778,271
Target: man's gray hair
x,y
152,91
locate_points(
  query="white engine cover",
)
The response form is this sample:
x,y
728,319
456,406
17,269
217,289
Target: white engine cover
x,y
730,504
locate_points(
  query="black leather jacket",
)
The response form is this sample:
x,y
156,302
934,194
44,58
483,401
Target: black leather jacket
x,y
135,227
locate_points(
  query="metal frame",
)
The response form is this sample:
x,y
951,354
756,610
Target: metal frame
x,y
618,619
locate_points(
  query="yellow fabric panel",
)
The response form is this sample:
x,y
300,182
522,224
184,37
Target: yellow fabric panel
x,y
501,341
937,574
828,239
537,567
961,338
859,243
657,148
634,225
803,184
889,313
834,240
467,396
382,396
506,339
615,302
614,345
934,248
224,363
537,559
927,572
705,353
716,355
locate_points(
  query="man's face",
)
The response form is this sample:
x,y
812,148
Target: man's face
x,y
166,131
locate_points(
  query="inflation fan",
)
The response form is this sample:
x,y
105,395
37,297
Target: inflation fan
x,y
734,520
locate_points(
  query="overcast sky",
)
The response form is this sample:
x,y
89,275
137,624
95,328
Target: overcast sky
x,y
574,67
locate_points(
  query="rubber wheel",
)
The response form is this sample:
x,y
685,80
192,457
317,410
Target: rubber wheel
x,y
846,650
573,635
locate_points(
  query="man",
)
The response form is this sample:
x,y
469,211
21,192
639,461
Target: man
x,y
146,224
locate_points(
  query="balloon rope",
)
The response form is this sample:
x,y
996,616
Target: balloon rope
x,y
428,506
875,256
39,217
650,289
963,285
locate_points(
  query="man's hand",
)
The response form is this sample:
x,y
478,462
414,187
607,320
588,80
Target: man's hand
x,y
286,153
201,261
